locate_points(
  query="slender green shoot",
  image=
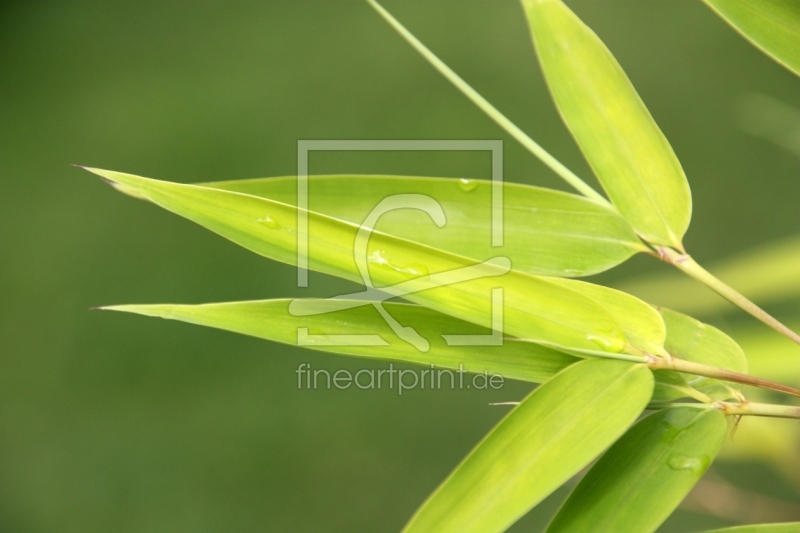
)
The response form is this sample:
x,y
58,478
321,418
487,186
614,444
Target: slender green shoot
x,y
493,113
686,264
735,409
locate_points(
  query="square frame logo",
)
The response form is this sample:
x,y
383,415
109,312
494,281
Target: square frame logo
x,y
375,297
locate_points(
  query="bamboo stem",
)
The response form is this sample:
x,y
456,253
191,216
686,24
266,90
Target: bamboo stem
x,y
699,369
735,409
758,409
685,263
532,146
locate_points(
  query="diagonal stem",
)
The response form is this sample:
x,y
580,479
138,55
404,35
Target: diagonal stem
x,y
686,264
493,113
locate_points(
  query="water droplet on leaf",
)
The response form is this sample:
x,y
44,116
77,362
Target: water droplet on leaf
x,y
467,185
684,462
607,344
381,259
269,222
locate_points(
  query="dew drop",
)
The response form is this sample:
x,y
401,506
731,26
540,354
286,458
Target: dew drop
x,y
683,462
378,257
603,343
381,259
467,185
417,269
269,222
607,344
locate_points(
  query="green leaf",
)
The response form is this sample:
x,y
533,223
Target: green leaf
x,y
544,441
272,320
621,141
545,232
637,483
793,527
771,25
692,340
533,307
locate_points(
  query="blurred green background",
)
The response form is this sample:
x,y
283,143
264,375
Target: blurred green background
x,y
119,423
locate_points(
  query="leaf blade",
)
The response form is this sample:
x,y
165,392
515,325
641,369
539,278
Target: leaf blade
x,y
621,141
771,25
537,447
651,469
272,320
546,232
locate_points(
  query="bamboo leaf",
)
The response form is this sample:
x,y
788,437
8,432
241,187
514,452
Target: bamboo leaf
x,y
621,141
272,320
793,527
771,25
544,441
532,308
545,232
637,483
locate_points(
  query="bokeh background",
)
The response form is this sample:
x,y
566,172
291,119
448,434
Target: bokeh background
x,y
111,422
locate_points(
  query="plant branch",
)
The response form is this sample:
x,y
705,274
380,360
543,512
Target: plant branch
x,y
673,363
493,113
736,409
699,369
758,409
685,263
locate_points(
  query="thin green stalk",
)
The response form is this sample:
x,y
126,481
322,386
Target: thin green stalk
x,y
736,409
758,409
686,264
493,113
